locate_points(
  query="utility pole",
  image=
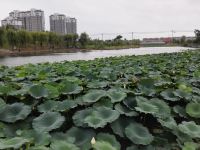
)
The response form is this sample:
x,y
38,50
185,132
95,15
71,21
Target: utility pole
x,y
102,36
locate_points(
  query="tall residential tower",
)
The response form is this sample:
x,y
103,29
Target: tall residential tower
x,y
32,20
62,25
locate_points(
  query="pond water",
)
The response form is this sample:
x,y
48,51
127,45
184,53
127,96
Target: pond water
x,y
16,61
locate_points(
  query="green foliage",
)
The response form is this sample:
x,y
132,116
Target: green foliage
x,y
132,102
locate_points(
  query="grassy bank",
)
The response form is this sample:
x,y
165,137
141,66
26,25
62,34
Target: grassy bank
x,y
119,103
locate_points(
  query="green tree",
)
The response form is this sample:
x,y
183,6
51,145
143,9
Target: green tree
x,y
52,40
43,39
197,34
23,39
2,37
83,40
12,38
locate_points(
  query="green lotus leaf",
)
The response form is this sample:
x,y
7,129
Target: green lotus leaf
x,y
38,91
108,138
94,96
193,109
39,148
60,136
143,148
138,134
168,123
48,106
5,89
120,124
97,84
14,112
53,91
103,146
116,95
62,145
169,95
66,105
2,103
147,86
130,102
39,138
82,137
182,94
145,106
95,117
70,88
182,137
190,128
104,102
190,146
164,110
125,111
14,143
180,111
48,122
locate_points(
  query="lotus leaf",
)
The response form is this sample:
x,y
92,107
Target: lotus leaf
x,y
138,134
116,95
62,145
190,128
14,112
70,88
53,91
103,146
39,148
2,103
39,138
14,143
125,111
48,106
180,111
66,105
82,137
94,96
104,102
193,109
147,86
130,102
168,122
95,117
38,91
97,84
110,139
190,146
169,95
48,121
120,124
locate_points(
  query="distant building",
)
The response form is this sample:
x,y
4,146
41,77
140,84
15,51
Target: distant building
x,y
32,20
62,25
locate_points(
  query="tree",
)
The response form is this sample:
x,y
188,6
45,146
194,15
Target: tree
x,y
52,40
2,37
83,40
197,34
23,38
12,38
35,39
43,39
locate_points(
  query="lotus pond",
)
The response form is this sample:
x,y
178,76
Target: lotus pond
x,y
149,102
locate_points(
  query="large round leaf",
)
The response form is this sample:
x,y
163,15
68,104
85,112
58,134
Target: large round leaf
x,y
39,138
116,95
14,112
48,121
169,95
66,105
130,102
94,96
193,109
38,91
138,134
95,117
168,122
48,106
70,88
97,84
110,139
190,128
103,146
82,137
62,145
14,143
125,111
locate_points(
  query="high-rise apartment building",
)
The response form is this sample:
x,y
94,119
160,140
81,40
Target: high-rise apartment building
x,y
62,25
32,20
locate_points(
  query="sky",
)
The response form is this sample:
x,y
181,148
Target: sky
x,y
113,17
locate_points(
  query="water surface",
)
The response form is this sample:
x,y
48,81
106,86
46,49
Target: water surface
x,y
16,61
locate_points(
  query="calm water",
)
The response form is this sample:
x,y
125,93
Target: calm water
x,y
16,61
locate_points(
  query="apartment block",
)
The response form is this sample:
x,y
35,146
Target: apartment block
x,y
62,25
32,20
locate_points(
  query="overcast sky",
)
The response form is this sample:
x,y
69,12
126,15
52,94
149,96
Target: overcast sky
x,y
117,16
